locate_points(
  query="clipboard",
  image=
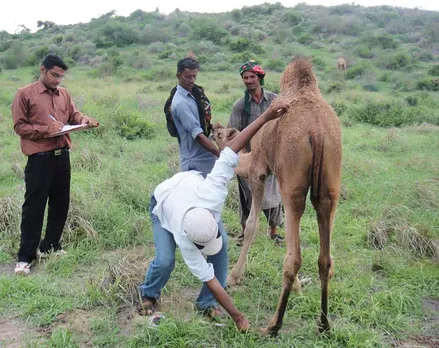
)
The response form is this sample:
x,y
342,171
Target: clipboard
x,y
67,129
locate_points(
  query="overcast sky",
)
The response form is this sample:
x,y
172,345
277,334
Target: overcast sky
x,y
28,12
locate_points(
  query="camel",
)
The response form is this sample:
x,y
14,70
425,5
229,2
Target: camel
x,y
341,63
303,149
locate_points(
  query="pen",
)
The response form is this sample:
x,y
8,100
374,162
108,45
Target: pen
x,y
53,118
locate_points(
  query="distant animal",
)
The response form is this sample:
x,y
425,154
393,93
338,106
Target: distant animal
x,y
341,64
303,149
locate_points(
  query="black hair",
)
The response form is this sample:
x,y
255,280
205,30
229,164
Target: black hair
x,y
51,60
187,63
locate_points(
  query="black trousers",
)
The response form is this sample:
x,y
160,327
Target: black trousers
x,y
47,178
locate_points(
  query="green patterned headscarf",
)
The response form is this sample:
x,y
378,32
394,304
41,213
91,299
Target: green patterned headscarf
x,y
252,66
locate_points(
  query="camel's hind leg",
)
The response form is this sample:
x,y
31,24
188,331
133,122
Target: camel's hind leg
x,y
294,207
325,209
257,185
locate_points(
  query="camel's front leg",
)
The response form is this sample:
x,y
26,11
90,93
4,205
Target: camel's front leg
x,y
257,185
294,206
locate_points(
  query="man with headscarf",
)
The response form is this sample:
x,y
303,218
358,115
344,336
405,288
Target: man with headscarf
x,y
247,109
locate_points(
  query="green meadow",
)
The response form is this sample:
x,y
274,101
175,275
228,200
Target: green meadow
x,y
385,291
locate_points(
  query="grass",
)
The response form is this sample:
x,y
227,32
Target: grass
x,y
384,241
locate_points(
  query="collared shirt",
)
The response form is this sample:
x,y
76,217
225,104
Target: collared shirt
x,y
187,190
31,108
256,109
193,156
272,197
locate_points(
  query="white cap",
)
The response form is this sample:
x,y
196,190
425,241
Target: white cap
x,y
202,229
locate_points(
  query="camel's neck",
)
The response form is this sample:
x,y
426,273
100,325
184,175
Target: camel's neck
x,y
243,166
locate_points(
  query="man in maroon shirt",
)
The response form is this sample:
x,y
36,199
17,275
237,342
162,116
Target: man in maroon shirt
x,y
39,109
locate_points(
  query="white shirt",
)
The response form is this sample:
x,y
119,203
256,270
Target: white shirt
x,y
188,190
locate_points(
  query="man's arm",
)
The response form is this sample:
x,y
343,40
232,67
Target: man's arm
x,y
208,144
275,110
235,120
22,126
227,303
191,124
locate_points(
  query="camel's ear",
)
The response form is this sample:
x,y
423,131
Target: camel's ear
x,y
232,133
218,126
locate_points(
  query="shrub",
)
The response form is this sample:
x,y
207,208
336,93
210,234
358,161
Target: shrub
x,y
355,71
209,30
275,65
427,85
339,107
243,57
383,114
240,44
318,63
291,17
399,61
411,101
116,34
434,70
371,87
305,39
364,51
335,86
129,125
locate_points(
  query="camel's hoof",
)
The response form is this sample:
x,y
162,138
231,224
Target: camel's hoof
x,y
231,280
265,331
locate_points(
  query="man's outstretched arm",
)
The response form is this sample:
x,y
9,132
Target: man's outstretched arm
x,y
227,303
275,110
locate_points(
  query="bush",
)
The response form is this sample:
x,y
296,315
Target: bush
x,y
318,63
209,30
277,65
305,39
427,85
129,125
243,57
240,44
116,34
399,61
370,87
335,86
383,114
364,51
411,101
355,71
291,17
434,70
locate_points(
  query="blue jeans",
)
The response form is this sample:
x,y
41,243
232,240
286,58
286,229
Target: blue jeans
x,y
161,267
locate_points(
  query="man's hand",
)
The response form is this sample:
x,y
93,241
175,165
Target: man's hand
x,y
276,109
242,323
90,121
56,126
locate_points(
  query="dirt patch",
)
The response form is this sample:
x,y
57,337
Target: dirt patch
x,y
7,269
429,324
15,334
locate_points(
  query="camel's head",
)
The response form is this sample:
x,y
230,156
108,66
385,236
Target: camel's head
x,y
223,136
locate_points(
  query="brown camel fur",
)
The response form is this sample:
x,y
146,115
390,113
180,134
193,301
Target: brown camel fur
x,y
341,63
303,149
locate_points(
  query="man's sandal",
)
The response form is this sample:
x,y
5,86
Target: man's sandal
x,y
147,306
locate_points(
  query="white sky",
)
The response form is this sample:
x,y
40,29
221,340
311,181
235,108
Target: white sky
x,y
28,12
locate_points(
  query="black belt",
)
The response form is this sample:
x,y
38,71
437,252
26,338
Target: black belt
x,y
56,152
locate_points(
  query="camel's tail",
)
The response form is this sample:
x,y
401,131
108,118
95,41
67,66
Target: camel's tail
x,y
317,167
